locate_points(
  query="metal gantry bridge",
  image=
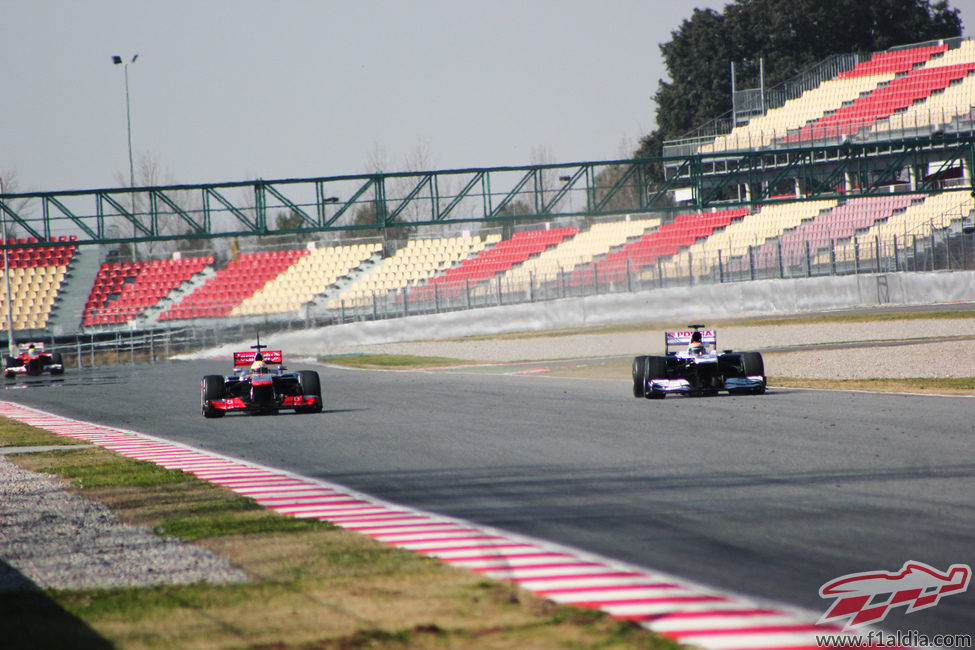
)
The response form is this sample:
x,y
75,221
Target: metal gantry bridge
x,y
495,195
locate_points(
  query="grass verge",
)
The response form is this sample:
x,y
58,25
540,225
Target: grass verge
x,y
391,361
932,385
313,585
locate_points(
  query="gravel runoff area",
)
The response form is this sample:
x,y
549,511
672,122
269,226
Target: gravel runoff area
x,y
51,538
822,350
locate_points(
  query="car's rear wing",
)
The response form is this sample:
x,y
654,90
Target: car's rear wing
x,y
39,346
682,338
247,358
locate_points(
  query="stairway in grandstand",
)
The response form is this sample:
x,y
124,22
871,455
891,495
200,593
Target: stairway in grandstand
x,y
78,280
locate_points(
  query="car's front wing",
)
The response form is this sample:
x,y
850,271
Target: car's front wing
x,y
23,370
684,386
289,402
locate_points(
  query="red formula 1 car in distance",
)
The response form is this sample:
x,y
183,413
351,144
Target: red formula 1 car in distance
x,y
32,360
260,384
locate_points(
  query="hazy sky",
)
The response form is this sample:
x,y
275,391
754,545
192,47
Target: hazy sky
x,y
235,90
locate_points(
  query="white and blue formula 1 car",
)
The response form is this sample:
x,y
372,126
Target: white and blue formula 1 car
x,y
691,365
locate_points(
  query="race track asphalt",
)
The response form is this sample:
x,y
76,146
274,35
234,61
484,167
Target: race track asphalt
x,y
770,496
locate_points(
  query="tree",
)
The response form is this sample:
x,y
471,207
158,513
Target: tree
x,y
9,185
150,173
790,35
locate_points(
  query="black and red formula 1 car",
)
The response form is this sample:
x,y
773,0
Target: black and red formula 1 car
x,y
260,385
32,360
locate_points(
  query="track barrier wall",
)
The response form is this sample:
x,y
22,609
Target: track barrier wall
x,y
740,299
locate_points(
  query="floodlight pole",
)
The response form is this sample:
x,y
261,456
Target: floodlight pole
x,y
11,344
117,60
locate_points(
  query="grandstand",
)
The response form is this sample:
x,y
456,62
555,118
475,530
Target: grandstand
x,y
35,276
124,290
894,91
877,159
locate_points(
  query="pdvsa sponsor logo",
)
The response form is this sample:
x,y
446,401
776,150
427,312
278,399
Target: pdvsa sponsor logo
x,y
868,597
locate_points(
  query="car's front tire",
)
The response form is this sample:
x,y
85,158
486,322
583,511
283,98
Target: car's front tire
x,y
656,368
639,377
212,388
753,365
56,359
310,385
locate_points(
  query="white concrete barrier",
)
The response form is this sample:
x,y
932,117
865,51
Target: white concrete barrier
x,y
702,302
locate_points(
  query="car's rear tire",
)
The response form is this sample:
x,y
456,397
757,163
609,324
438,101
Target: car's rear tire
x,y
211,389
639,376
56,358
310,385
656,368
752,365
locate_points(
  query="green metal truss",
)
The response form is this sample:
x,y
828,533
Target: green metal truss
x,y
380,202
369,202
842,170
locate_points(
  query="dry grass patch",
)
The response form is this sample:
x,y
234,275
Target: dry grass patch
x,y
392,361
932,385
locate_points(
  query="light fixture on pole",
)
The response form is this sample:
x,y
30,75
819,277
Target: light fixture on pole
x,y
117,60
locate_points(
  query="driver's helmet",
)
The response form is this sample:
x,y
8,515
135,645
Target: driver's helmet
x,y
696,346
31,349
259,366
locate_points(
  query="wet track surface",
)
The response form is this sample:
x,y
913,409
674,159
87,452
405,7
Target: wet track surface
x,y
771,495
